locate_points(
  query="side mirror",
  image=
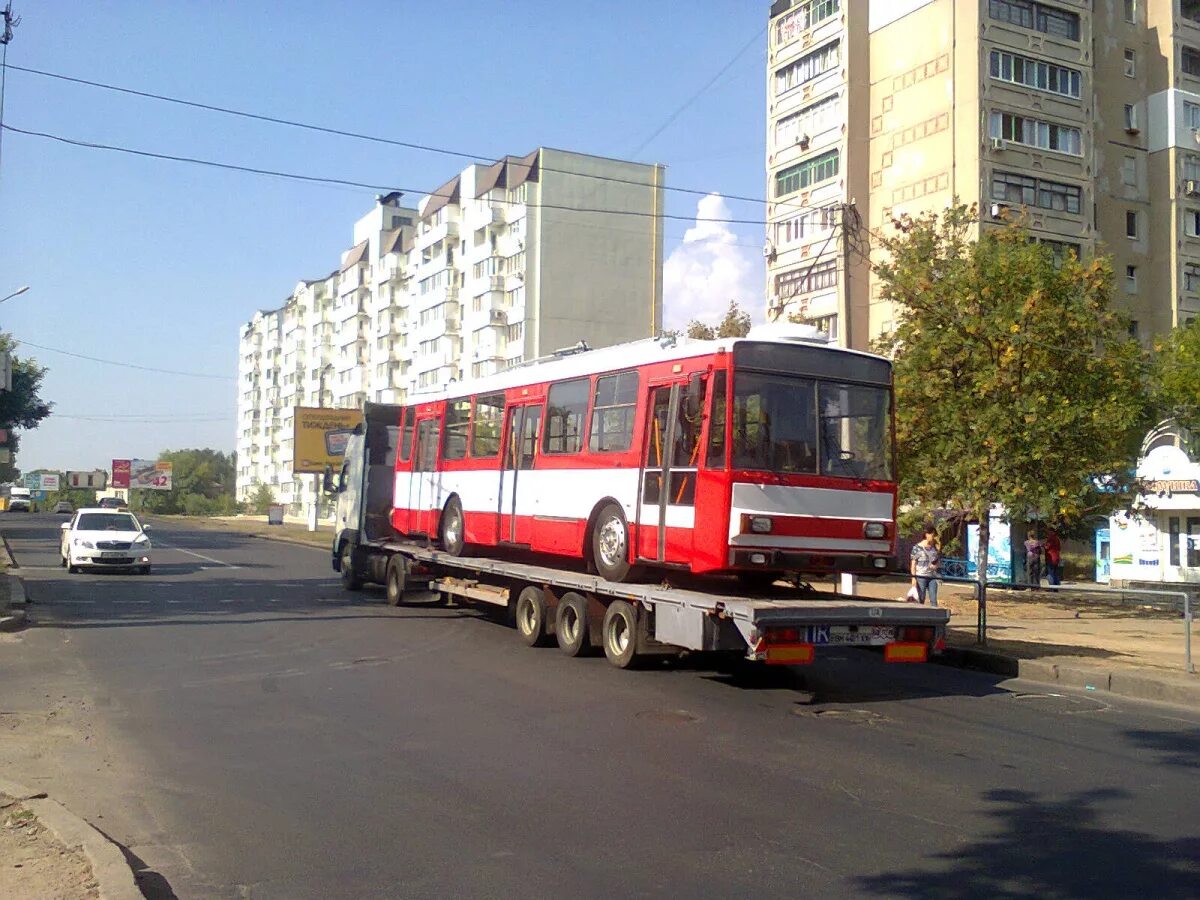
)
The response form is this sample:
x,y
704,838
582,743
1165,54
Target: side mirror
x,y
65,526
327,484
147,528
693,403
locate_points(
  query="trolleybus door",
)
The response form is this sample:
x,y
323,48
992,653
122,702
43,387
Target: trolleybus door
x,y
515,511
422,485
666,510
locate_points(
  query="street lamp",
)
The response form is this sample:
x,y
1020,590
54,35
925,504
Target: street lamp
x,y
15,293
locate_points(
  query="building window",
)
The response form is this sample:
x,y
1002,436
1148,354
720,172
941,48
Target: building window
x,y
1131,11
1027,191
1191,113
1191,278
806,68
809,121
1131,285
1190,59
1129,171
1191,222
1190,9
1036,133
516,333
815,221
1130,117
801,175
1035,73
566,406
1036,16
806,279
1130,63
802,18
613,412
1131,224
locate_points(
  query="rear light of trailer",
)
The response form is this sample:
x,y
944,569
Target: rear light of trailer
x,y
905,652
784,647
914,633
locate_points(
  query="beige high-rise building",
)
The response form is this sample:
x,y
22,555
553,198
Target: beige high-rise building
x,y
1084,117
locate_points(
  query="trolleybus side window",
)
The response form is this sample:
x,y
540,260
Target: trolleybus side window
x,y
774,423
486,425
716,423
613,412
427,444
856,438
454,437
406,433
566,409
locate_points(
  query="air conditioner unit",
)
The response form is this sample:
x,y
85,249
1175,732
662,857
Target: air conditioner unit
x,y
520,244
804,140
520,276
999,144
768,250
998,210
1191,187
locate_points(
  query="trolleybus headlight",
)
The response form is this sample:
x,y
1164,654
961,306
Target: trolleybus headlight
x,y
760,524
875,530
880,562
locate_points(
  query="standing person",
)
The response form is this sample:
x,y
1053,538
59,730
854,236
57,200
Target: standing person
x,y
1033,560
1053,548
924,563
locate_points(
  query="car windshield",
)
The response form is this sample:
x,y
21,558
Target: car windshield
x,y
787,424
107,522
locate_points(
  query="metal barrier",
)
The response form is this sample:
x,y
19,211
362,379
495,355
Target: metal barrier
x,y
964,569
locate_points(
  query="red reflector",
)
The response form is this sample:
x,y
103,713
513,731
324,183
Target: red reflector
x,y
905,652
783,635
790,654
915,633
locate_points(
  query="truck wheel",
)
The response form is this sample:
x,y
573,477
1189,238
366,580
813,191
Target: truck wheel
x,y
620,633
530,614
610,544
350,579
397,578
450,528
571,624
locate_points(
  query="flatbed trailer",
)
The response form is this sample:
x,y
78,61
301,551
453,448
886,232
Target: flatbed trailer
x,y
632,622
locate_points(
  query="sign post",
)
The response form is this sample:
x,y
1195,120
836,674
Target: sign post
x,y
319,442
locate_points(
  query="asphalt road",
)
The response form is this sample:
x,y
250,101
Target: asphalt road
x,y
267,735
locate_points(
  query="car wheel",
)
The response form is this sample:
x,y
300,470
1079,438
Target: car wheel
x,y
72,570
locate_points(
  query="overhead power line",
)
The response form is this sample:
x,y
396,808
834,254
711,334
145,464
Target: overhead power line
x,y
424,148
126,365
313,179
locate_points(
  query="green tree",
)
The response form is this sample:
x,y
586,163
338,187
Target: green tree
x,y
22,407
736,323
261,500
1176,380
1016,382
202,484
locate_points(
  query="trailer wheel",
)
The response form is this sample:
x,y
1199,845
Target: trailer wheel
x,y
350,579
530,614
397,578
451,534
620,633
571,624
610,544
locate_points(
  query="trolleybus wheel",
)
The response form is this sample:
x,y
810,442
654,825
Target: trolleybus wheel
x,y
530,614
610,544
571,624
757,581
397,577
620,633
450,528
350,579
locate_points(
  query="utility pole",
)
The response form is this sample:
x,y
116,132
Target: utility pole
x,y
10,22
848,220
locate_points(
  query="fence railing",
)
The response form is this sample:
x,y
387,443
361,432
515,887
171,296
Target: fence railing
x,y
966,569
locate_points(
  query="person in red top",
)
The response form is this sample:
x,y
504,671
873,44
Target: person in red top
x,y
1053,548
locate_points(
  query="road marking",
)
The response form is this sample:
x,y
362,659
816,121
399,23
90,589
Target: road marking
x,y
219,562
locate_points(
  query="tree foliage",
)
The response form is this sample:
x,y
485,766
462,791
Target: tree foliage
x,y
1177,376
261,500
1016,382
736,323
203,484
22,407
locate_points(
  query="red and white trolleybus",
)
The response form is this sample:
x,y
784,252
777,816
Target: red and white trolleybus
x,y
753,456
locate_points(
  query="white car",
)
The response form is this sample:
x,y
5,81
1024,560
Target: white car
x,y
105,539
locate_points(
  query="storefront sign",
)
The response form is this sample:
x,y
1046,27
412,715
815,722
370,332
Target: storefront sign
x,y
1171,486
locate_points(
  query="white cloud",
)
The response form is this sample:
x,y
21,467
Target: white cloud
x,y
709,269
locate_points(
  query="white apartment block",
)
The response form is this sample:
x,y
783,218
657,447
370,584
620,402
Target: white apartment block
x,y
503,263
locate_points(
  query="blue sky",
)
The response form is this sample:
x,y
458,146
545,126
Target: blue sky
x,y
157,263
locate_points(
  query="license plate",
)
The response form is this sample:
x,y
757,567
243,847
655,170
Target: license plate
x,y
111,554
842,635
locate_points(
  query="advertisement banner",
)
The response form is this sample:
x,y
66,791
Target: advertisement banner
x,y
50,482
320,437
120,473
150,474
95,480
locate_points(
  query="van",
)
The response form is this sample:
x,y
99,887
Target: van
x,y
20,500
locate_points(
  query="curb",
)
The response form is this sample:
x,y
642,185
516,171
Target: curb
x,y
1121,682
8,558
113,874
17,599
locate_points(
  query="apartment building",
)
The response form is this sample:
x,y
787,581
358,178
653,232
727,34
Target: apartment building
x,y
502,263
1081,117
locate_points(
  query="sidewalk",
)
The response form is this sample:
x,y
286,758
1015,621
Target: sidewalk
x,y
1073,639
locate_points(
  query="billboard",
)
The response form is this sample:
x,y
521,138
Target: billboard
x,y
150,474
120,473
320,437
95,480
50,482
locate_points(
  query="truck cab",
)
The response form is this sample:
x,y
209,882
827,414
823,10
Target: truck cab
x,y
364,487
20,500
